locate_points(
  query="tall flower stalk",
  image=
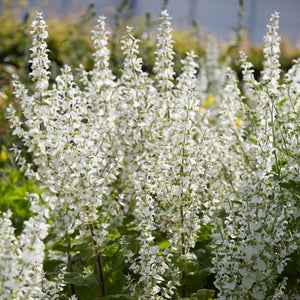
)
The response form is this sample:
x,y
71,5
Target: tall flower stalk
x,y
73,150
163,65
253,246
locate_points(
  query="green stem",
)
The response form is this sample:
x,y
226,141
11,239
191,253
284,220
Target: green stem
x,y
183,272
183,249
99,265
274,138
72,286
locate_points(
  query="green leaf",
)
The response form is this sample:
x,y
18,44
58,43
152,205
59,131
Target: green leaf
x,y
282,102
111,250
258,87
252,140
53,265
187,265
236,202
164,244
133,244
203,294
77,279
196,280
289,153
222,214
88,293
291,185
91,261
143,111
86,252
14,188
77,264
114,272
62,248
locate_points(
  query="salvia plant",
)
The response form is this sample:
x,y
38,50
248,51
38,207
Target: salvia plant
x,y
261,227
134,171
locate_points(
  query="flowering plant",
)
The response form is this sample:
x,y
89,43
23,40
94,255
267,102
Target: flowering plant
x,y
135,170
261,226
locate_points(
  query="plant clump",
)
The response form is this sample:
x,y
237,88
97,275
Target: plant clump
x,y
140,175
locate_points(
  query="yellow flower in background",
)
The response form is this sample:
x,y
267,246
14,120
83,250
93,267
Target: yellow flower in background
x,y
3,155
238,122
202,110
209,100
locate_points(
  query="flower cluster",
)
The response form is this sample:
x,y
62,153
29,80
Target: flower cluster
x,y
258,234
39,62
21,271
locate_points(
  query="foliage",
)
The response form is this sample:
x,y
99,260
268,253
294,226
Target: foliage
x,y
14,188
